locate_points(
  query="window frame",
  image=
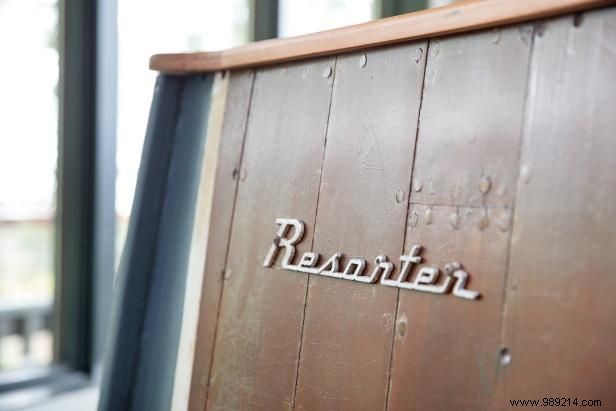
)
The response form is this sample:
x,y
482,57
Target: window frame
x,y
85,212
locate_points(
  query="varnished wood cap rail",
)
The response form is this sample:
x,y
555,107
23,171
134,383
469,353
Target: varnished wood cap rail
x,y
454,18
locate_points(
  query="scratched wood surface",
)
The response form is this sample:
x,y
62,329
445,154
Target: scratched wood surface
x,y
257,343
198,244
471,118
559,322
464,174
227,165
505,140
361,212
445,348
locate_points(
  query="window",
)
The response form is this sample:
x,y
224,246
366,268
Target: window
x,y
187,25
52,291
302,17
28,155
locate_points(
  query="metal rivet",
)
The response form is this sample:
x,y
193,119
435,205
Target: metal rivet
x,y
504,356
454,220
417,185
363,59
399,196
327,72
496,36
306,72
525,174
417,55
242,174
226,274
402,327
429,215
414,219
485,184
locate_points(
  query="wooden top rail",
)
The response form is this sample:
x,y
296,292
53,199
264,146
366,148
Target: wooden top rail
x,y
455,18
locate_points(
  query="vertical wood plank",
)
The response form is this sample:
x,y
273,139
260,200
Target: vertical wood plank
x,y
559,318
361,212
471,118
218,232
198,245
257,342
445,348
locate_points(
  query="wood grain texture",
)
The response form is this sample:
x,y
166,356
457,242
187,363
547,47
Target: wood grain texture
x,y
464,174
455,18
471,118
513,177
362,209
446,348
219,215
198,245
257,344
559,319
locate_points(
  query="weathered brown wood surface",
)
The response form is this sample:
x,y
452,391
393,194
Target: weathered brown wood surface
x,y
361,212
560,317
227,173
464,175
260,320
506,142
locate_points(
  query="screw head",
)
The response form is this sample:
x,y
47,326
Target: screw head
x,y
414,219
485,184
399,196
327,72
504,356
417,185
363,59
429,215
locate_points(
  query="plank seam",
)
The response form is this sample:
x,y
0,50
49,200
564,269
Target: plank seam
x,y
314,225
226,258
523,133
406,218
189,329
